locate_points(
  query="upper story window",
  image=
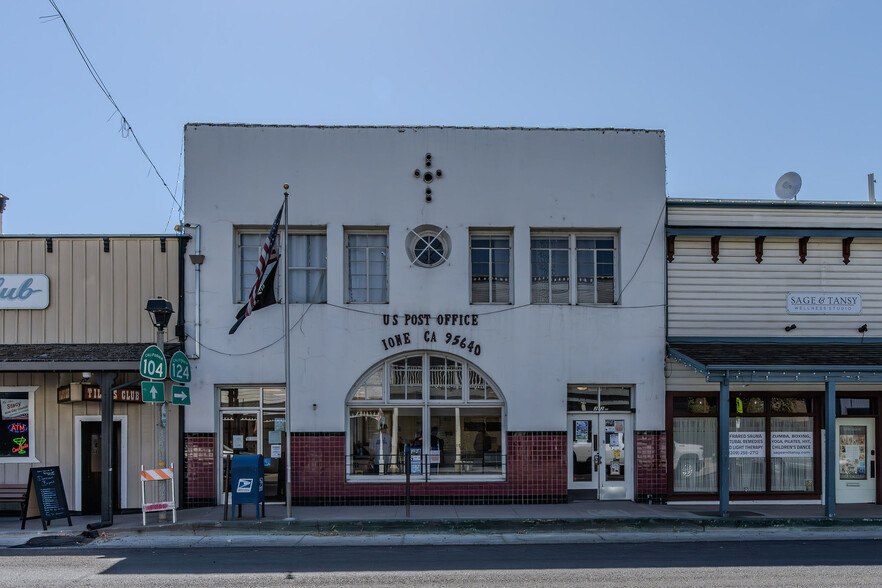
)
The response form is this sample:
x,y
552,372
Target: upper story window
x,y
491,268
307,265
307,268
367,266
573,269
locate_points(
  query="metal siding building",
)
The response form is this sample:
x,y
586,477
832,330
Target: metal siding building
x,y
94,321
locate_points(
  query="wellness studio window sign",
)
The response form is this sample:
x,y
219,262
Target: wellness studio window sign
x,y
24,291
824,303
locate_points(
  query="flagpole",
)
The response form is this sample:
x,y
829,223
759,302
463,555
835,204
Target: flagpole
x,y
287,373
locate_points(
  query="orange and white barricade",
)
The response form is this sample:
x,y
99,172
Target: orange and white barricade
x,y
163,476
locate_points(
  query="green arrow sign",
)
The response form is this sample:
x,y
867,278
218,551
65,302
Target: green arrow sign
x,y
181,395
153,391
179,368
153,363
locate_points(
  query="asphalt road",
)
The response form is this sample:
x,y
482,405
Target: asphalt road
x,y
743,563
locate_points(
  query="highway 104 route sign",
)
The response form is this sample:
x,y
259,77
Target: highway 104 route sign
x,y
153,364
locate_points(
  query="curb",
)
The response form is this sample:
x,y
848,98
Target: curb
x,y
496,526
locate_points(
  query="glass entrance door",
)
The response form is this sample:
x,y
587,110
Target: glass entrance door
x,y
856,472
583,462
252,421
599,454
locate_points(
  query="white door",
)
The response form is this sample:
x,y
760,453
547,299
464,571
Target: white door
x,y
599,449
856,472
583,463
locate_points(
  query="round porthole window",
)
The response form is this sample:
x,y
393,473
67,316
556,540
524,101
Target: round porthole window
x,y
428,246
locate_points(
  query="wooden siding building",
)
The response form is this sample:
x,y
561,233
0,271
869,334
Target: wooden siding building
x,y
773,328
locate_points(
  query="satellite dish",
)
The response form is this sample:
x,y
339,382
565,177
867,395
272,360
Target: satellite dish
x,y
788,186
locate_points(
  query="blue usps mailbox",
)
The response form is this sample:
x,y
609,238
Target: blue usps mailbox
x,y
246,473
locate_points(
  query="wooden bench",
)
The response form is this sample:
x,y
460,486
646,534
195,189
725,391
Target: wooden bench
x,y
14,493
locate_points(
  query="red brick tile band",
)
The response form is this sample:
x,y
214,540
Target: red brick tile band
x,y
537,472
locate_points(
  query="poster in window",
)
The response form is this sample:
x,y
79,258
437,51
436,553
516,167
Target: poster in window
x,y
853,453
613,439
747,444
12,408
416,461
582,430
793,444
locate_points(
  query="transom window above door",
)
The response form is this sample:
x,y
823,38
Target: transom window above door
x,y
588,398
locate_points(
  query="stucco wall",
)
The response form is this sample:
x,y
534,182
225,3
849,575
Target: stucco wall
x,y
360,177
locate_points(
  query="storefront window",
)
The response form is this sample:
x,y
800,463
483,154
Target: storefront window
x,y
793,454
747,454
16,412
706,405
455,427
695,454
856,407
772,443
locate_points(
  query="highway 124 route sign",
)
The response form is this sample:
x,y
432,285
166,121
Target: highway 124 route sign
x,y
179,368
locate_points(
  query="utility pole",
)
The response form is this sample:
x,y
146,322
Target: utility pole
x,y
160,311
161,411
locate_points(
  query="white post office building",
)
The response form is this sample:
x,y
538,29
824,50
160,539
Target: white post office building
x,y
489,301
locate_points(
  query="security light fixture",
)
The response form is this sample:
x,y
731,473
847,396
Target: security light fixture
x,y
160,311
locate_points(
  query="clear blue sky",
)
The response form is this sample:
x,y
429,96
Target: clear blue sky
x,y
744,90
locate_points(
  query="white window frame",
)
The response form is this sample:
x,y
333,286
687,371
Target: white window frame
x,y
426,404
32,437
241,297
492,234
347,232
572,261
323,269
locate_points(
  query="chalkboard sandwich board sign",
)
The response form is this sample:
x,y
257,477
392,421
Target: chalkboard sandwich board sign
x,y
45,497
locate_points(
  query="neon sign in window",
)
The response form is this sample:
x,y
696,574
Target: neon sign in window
x,y
15,417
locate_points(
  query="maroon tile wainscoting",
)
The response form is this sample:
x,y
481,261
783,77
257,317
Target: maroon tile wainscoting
x,y
200,481
651,461
537,473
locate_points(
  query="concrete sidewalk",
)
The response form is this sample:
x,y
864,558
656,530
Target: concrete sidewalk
x,y
576,521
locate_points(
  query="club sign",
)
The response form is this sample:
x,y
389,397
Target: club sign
x,y
24,291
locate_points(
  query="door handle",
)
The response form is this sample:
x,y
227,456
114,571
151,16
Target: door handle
x,y
596,461
873,468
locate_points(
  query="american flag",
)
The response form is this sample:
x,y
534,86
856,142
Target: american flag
x,y
263,291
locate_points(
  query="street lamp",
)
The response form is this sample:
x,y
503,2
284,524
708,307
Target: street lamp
x,y
160,311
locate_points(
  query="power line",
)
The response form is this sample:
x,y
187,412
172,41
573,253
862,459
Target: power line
x,y
126,129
